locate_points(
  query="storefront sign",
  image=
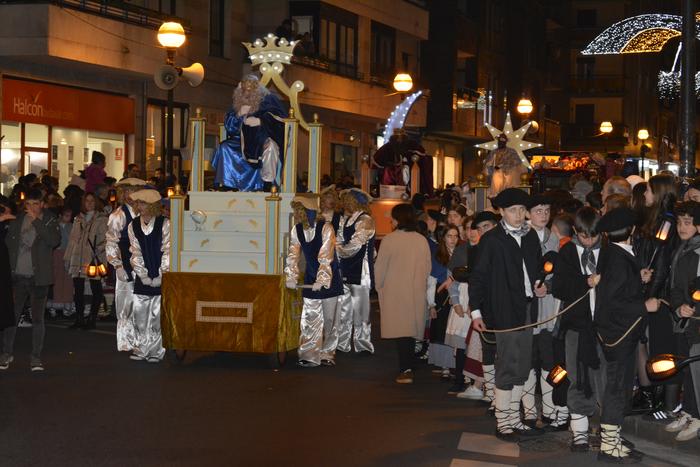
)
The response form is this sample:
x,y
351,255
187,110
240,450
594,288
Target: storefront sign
x,y
49,104
118,154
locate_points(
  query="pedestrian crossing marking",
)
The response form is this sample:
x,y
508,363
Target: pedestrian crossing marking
x,y
487,444
469,463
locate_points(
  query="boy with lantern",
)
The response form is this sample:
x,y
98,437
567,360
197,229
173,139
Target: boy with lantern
x,y
314,238
503,286
543,339
685,287
620,307
119,256
149,236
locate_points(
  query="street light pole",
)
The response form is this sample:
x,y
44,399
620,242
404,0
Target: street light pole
x,y
171,36
688,101
168,163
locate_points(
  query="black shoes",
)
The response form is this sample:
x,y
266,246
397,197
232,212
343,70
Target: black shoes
x,y
511,437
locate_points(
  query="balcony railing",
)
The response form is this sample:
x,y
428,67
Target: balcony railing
x,y
320,63
343,69
590,135
597,84
113,9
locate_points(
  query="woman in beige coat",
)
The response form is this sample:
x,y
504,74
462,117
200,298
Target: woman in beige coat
x,y
90,226
401,278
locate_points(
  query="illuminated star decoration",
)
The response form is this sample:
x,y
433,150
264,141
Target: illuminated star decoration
x,y
515,139
398,116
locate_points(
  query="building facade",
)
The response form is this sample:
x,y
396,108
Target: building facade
x,y
78,75
585,90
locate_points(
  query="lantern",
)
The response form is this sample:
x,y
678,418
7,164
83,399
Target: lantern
x,y
547,266
102,269
556,376
91,270
664,229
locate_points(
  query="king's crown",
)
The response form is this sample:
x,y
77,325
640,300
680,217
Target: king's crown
x,y
270,50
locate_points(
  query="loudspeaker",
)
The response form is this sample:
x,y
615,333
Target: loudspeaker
x,y
193,74
166,77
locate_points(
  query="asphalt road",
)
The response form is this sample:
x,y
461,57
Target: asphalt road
x,y
94,407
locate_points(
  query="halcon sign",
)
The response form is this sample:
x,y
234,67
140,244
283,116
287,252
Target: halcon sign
x,y
48,104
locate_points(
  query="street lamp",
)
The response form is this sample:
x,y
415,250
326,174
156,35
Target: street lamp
x,y
403,82
524,107
171,35
643,135
606,128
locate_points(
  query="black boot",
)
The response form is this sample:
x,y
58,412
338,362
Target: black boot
x,y
79,322
94,308
643,401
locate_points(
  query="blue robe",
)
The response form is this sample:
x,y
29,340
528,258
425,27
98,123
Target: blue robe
x,y
236,169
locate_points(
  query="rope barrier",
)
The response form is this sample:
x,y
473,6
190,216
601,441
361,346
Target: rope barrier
x,y
571,305
532,325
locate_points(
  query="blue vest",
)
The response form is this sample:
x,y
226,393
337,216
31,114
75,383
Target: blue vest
x,y
352,266
124,243
151,246
335,222
310,250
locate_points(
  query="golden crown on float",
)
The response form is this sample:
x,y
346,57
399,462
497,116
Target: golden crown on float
x,y
270,50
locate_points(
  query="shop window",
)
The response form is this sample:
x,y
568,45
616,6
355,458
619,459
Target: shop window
x,y
35,148
71,152
10,156
435,171
450,172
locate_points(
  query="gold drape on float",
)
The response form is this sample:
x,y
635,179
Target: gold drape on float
x,y
229,312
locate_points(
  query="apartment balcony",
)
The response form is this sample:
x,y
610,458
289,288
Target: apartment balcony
x,y
342,88
597,85
110,34
114,9
328,66
587,137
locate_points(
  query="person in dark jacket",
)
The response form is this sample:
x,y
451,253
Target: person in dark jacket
x,y
620,309
501,293
7,312
654,247
30,241
575,268
685,270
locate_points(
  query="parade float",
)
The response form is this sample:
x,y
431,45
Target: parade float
x,y
226,289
